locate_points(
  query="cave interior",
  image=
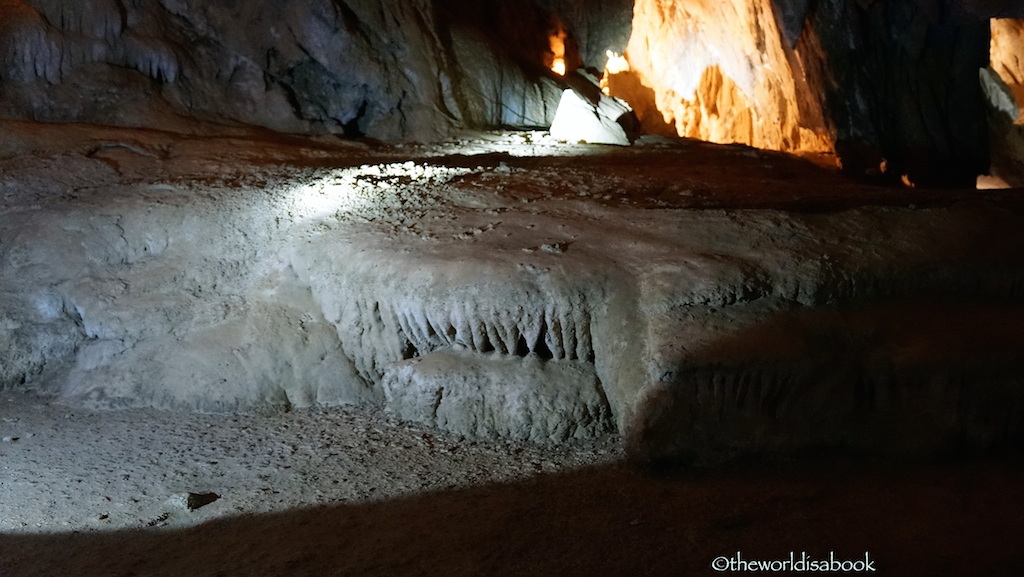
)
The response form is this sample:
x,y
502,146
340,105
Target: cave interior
x,y
660,259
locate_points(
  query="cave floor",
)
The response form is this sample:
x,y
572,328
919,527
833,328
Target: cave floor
x,y
314,491
343,492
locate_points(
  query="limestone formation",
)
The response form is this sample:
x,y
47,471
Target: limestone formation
x,y
499,395
1007,54
1004,83
721,71
495,296
392,70
578,120
254,245
890,87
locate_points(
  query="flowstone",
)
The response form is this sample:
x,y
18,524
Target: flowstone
x,y
528,298
499,396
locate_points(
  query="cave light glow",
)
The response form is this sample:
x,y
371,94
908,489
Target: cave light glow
x,y
557,46
616,64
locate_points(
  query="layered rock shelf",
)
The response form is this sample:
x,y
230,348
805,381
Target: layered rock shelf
x,y
512,286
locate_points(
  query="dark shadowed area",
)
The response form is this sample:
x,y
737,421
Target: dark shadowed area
x,y
922,519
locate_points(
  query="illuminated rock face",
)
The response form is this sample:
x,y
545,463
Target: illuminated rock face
x,y
579,120
1008,54
1005,89
495,296
721,71
892,87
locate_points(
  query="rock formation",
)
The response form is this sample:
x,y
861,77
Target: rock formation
x,y
145,267
530,298
1004,82
902,88
392,70
722,71
890,86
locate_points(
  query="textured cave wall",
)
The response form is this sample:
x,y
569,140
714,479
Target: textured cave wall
x,y
410,69
721,71
891,84
595,26
903,90
1007,54
1005,85
900,84
302,67
498,52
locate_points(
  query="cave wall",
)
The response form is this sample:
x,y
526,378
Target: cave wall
x,y
299,67
721,71
891,86
394,70
902,88
1007,55
1004,83
595,26
497,54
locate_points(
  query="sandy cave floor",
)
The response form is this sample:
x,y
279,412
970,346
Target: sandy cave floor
x,y
338,491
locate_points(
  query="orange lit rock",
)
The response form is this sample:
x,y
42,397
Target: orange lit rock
x,y
1004,84
721,71
1008,55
